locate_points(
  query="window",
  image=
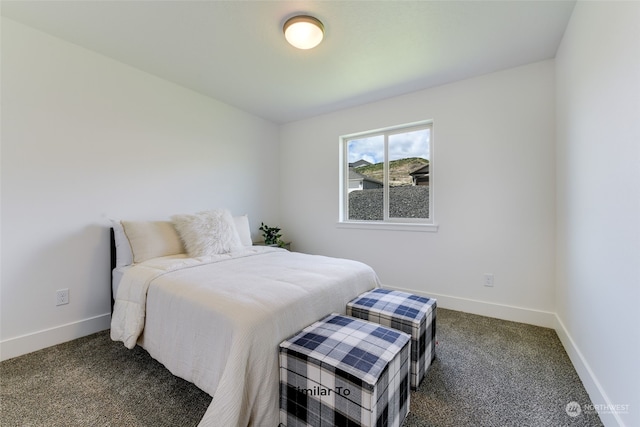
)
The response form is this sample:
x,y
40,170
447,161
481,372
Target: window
x,y
386,177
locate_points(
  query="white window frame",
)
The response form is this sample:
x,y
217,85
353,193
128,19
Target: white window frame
x,y
406,224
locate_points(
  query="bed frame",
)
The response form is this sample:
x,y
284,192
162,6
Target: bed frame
x,y
112,243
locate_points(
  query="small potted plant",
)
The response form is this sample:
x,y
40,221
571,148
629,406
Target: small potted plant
x,y
271,235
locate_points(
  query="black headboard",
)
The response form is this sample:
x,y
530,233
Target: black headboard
x,y
112,243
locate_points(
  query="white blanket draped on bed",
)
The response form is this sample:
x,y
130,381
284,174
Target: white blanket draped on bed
x,y
217,321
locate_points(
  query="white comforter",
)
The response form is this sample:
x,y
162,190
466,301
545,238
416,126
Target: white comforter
x,y
217,321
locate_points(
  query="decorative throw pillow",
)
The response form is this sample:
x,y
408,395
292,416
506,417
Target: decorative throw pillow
x,y
152,239
207,233
244,232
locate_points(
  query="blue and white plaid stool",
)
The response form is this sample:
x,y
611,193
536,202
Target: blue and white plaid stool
x,y
408,313
343,371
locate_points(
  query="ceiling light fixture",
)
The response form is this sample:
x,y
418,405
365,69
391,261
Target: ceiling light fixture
x,y
303,32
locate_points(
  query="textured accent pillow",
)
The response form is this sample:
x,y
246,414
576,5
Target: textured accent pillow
x,y
244,232
152,239
208,233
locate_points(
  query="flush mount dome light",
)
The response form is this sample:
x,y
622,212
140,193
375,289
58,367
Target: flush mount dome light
x,y
303,32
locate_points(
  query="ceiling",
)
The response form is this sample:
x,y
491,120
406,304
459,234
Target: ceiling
x,y
235,52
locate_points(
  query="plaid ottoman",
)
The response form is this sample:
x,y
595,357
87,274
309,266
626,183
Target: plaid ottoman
x,y
406,312
342,371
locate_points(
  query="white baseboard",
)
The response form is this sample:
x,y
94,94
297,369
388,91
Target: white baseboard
x,y
530,316
24,344
589,380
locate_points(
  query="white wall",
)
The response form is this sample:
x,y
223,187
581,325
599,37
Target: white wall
x,y
598,174
85,138
494,183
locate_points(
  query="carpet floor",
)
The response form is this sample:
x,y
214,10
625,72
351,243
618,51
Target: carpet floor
x,y
487,372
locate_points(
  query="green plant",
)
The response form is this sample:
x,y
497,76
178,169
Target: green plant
x,y
271,235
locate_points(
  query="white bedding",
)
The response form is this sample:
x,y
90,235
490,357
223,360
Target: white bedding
x,y
117,272
217,321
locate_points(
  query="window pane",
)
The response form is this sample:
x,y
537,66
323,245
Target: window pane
x,y
366,162
409,174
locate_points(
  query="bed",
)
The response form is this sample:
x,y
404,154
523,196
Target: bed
x,y
216,319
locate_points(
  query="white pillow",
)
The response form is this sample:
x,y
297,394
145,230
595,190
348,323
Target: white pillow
x,y
208,233
124,256
152,239
244,232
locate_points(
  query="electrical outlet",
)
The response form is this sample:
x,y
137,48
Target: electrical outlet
x,y
488,279
62,296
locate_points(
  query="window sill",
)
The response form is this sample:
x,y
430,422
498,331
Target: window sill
x,y
431,228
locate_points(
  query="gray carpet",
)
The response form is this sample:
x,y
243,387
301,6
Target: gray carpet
x,y
487,372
